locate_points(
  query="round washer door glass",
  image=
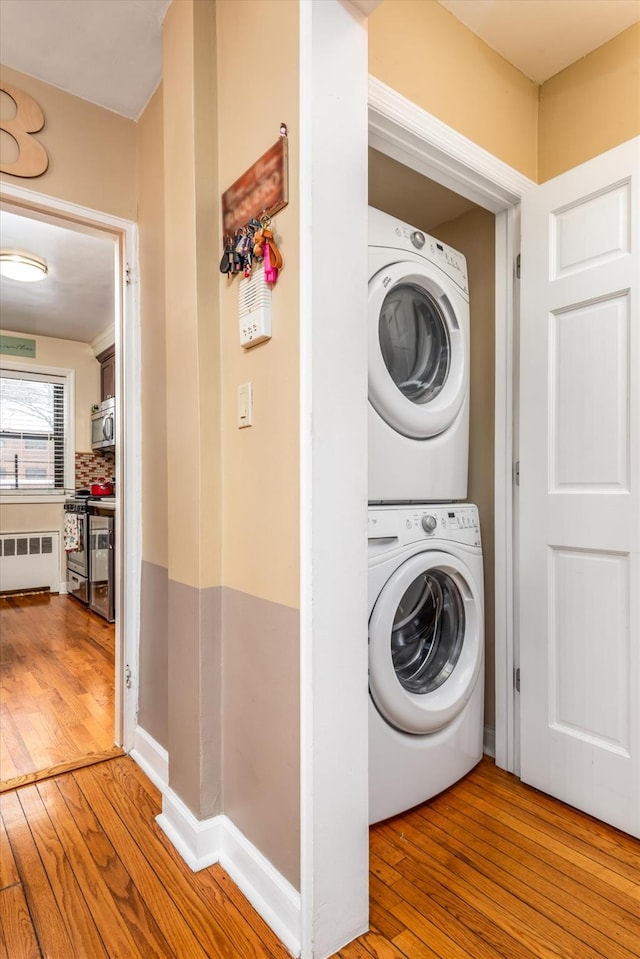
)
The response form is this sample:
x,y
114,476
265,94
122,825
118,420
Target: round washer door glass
x,y
425,642
418,369
414,342
427,632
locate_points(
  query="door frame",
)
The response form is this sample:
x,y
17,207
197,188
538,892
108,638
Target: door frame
x,y
412,136
128,461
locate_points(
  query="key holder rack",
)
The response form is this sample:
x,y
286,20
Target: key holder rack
x,y
252,243
247,208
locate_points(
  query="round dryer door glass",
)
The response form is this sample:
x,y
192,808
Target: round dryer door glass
x,y
428,631
414,342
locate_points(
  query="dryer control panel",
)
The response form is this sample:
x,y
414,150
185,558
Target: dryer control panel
x,y
387,231
410,524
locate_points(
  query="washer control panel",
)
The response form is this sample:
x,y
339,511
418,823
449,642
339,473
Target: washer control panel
x,y
451,261
407,524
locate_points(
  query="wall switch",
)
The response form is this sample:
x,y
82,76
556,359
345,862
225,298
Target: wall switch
x,y
245,405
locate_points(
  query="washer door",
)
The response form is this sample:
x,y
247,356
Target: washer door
x,y
425,643
418,356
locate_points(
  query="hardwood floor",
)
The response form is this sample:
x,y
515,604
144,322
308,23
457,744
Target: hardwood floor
x,y
492,868
89,873
488,869
57,686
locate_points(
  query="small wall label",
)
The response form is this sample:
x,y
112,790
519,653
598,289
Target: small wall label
x,y
17,346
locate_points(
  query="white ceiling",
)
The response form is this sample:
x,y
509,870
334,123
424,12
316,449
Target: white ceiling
x,y
110,53
105,51
542,37
76,300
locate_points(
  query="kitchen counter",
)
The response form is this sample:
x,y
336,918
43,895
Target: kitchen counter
x,y
94,505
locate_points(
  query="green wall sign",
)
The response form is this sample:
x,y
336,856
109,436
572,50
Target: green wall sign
x,y
17,346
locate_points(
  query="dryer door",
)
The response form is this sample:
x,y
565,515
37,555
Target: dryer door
x,y
418,349
425,642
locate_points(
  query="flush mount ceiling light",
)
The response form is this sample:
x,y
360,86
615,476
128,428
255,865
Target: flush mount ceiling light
x,y
22,266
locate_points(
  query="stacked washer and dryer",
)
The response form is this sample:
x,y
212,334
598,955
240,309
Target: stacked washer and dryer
x,y
426,604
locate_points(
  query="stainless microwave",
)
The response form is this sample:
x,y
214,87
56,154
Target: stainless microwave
x,y
103,425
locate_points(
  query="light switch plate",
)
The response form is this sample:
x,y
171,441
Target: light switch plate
x,y
245,405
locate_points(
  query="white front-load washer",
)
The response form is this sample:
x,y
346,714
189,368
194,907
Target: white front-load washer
x,y
426,652
418,365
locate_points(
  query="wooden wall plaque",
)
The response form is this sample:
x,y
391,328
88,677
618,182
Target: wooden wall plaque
x,y
32,159
263,188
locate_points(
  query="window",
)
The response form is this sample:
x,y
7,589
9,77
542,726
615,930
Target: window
x,y
33,438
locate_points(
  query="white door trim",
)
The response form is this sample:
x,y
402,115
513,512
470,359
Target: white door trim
x,y
128,472
334,838
407,133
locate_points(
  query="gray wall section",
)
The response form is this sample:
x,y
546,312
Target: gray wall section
x,y
261,726
194,697
228,719
152,663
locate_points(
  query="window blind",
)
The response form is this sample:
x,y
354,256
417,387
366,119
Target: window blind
x,y
32,431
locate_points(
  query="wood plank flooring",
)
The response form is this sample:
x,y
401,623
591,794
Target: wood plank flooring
x,y
488,869
56,686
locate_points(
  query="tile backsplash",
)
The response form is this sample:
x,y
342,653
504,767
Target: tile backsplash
x,y
91,466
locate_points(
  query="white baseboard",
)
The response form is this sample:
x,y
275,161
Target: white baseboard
x,y
62,589
151,757
202,843
270,894
489,746
199,841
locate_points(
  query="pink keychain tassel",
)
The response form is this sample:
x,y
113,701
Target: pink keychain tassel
x,y
270,272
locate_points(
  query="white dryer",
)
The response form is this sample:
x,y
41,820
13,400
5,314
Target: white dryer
x,y
418,365
426,652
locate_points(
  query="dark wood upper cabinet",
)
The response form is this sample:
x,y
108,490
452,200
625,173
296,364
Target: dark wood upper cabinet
x,y
107,361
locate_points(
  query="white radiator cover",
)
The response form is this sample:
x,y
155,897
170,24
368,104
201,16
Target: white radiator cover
x,y
30,560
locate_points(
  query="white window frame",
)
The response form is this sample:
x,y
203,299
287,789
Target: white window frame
x,y
68,377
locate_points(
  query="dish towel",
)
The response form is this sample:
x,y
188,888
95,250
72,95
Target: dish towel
x,y
71,532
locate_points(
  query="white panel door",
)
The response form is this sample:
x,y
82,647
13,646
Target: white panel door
x,y
579,513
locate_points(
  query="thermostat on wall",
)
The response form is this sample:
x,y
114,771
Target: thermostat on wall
x,y
255,310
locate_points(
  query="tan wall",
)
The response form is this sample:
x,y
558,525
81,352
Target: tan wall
x,y
27,517
193,433
152,332
423,52
591,106
191,309
70,355
261,463
260,486
91,150
473,234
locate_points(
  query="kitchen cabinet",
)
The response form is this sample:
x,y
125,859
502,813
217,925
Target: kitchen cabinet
x,y
107,361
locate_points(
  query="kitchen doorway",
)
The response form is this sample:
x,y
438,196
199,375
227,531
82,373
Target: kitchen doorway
x,y
93,645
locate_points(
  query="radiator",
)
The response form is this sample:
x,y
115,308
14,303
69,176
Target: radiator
x,y
29,561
